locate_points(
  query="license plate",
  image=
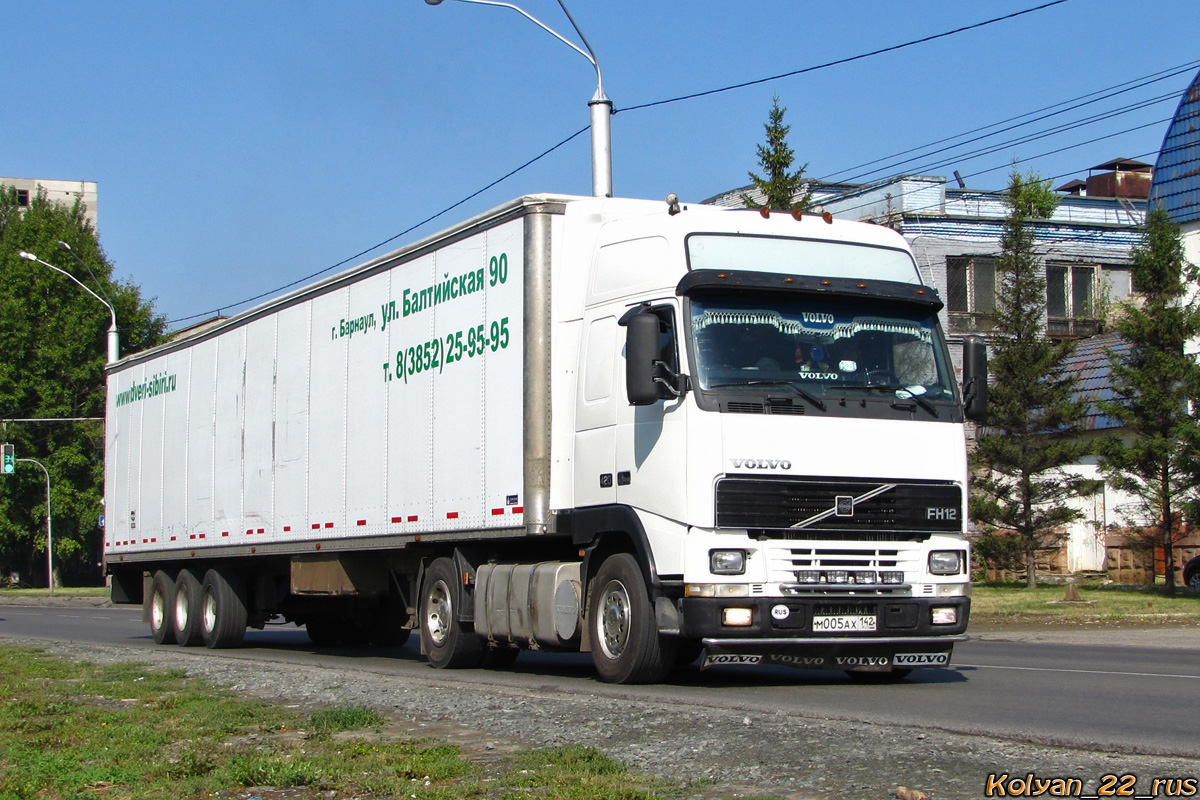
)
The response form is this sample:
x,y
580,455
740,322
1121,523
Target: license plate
x,y
857,623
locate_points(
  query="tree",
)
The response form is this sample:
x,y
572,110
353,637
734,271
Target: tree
x,y
1158,383
781,189
1034,414
53,341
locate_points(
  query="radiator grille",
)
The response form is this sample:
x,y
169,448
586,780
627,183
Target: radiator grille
x,y
808,506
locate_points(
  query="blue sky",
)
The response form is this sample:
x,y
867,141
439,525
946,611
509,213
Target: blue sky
x,y
240,146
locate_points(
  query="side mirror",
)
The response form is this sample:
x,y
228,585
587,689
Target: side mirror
x,y
641,353
975,389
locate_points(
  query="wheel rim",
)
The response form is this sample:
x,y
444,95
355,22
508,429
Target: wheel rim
x,y
209,612
614,619
1194,581
158,611
181,609
438,613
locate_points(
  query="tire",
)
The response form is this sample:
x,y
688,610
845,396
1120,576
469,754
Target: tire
x,y
185,617
445,642
891,676
626,647
1193,580
388,634
222,610
162,603
322,631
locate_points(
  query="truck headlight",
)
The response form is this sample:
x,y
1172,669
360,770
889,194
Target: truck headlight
x,y
727,562
944,615
737,617
946,562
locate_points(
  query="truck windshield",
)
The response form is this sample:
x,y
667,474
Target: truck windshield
x,y
818,346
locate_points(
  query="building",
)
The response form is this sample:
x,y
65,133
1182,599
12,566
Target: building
x,y
66,192
1176,184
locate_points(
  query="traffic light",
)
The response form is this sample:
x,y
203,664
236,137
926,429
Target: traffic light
x,y
10,459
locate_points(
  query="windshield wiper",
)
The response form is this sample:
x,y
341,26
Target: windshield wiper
x,y
921,401
893,387
804,393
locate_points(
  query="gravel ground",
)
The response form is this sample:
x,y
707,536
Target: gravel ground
x,y
712,753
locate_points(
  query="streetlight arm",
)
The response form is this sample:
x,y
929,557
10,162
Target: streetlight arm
x,y
601,107
591,58
113,342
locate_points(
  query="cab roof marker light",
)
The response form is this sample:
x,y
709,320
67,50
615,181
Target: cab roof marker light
x,y
765,212
797,214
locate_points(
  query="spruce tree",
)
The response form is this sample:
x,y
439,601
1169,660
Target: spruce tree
x,y
782,189
1158,383
1034,415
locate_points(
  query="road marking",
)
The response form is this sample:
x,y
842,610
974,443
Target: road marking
x,y
1081,671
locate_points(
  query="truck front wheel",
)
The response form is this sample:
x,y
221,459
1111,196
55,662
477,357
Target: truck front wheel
x,y
162,603
626,647
443,639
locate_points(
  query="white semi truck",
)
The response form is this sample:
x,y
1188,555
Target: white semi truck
x,y
642,430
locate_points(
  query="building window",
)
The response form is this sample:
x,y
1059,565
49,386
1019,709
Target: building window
x,y
23,198
971,292
1071,291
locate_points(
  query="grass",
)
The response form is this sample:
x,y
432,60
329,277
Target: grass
x,y
79,730
1102,603
61,591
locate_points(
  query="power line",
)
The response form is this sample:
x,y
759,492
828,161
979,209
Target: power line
x,y
681,98
408,230
846,60
1122,88
1033,137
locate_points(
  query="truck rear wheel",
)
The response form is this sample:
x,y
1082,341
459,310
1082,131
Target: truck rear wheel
x,y
626,647
162,603
185,619
222,610
443,639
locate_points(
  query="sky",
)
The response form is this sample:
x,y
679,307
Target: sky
x,y
240,147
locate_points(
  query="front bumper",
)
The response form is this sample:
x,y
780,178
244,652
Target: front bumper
x,y
905,635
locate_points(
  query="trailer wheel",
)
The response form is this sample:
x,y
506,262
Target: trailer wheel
x,y
162,601
322,631
443,639
223,610
626,647
185,621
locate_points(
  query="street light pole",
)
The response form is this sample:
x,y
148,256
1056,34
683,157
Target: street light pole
x,y
114,338
49,534
601,107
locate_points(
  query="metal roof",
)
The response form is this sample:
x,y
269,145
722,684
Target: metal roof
x,y
1176,183
1090,365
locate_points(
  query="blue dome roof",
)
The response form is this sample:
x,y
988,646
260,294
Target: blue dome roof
x,y
1176,182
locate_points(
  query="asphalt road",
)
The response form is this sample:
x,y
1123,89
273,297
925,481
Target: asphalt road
x,y
1117,692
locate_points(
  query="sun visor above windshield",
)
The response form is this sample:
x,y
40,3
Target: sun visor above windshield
x,y
746,280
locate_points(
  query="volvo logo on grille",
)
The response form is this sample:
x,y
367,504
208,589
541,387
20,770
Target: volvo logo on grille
x,y
845,505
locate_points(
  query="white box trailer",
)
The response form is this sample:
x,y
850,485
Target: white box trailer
x,y
637,429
